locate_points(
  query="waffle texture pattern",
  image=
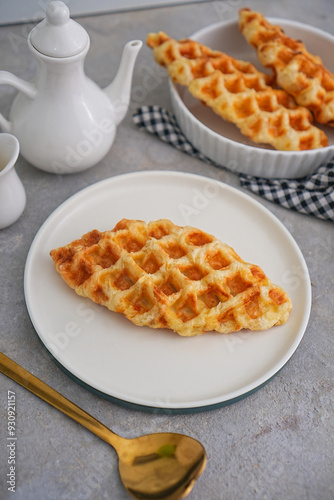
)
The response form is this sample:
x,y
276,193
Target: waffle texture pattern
x,y
166,276
239,93
297,71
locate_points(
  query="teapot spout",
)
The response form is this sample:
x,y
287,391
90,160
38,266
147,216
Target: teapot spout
x,y
119,90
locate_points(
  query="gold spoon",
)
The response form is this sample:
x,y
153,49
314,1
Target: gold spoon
x,y
156,466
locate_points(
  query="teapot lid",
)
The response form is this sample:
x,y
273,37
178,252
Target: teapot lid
x,y
58,35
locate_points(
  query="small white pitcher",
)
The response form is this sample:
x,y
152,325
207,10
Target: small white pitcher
x,y
12,193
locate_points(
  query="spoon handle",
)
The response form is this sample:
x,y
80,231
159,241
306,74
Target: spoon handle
x,y
45,392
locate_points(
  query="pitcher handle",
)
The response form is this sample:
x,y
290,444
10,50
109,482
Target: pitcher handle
x,y
7,78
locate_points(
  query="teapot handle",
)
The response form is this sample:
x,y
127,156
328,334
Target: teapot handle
x,y
27,88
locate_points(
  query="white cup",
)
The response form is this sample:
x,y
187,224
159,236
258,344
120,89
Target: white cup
x,y
12,193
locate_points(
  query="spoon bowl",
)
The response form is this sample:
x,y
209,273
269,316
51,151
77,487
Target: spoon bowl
x,y
163,466
160,466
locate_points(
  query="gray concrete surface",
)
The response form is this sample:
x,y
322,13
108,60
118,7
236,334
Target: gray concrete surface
x,y
276,444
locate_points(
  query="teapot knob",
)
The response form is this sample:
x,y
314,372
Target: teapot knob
x,y
57,13
58,35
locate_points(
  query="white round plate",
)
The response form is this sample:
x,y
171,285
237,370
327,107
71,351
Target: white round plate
x,y
157,368
221,141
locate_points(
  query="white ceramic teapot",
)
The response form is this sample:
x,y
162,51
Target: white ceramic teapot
x,y
64,122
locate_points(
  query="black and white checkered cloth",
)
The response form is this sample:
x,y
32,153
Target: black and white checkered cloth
x,y
313,194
